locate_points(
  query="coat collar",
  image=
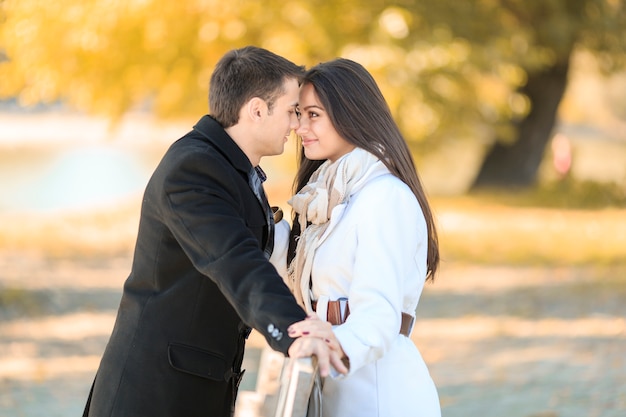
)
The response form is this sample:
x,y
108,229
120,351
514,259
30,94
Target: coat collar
x,y
213,132
377,170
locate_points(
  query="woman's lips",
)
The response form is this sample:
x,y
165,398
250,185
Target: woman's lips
x,y
306,142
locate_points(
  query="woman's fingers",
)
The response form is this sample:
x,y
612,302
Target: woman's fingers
x,y
335,346
316,328
310,327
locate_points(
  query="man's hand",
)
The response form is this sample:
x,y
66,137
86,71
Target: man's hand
x,y
304,347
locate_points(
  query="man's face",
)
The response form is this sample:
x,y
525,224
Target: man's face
x,y
280,121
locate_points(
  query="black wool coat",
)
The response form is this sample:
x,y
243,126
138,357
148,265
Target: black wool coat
x,y
199,281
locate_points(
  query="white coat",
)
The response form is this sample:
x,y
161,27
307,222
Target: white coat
x,y
374,253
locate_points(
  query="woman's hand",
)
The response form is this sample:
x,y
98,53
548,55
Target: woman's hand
x,y
313,327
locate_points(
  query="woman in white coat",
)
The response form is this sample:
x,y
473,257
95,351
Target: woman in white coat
x,y
363,244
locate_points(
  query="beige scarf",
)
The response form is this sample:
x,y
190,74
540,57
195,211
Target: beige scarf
x,y
329,186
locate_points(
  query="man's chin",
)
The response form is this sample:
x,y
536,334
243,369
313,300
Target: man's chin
x,y
280,151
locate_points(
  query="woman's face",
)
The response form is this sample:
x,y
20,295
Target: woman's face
x,y
319,137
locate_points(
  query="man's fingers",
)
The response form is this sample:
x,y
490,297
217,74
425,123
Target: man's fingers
x,y
308,346
323,362
327,358
337,363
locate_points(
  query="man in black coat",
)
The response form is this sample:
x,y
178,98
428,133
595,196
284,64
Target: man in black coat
x,y
200,278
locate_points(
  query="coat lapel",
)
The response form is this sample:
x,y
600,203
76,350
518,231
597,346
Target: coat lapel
x,y
213,132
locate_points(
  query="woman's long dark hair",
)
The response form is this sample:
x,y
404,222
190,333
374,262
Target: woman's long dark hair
x,y
360,114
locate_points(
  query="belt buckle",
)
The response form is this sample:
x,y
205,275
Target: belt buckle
x,y
343,308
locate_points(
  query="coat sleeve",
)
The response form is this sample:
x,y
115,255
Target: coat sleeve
x,y
202,206
384,259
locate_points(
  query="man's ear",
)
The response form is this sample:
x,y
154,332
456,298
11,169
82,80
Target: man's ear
x,y
256,108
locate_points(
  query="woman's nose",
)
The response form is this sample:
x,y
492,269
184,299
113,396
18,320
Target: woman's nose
x,y
302,126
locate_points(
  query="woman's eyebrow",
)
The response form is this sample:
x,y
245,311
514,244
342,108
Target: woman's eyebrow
x,y
312,106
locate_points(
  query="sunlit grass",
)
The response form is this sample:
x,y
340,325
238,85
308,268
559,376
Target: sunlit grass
x,y
565,194
476,230
82,234
472,229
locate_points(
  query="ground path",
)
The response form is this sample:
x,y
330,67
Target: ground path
x,y
499,341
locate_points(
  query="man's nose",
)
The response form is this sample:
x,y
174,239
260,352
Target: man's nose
x,y
295,123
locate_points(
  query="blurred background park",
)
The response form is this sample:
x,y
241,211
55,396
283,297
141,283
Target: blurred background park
x,y
515,111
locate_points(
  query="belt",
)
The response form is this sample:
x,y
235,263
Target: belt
x,y
334,315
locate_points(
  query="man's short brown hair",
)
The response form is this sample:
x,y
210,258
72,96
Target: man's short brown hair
x,y
242,74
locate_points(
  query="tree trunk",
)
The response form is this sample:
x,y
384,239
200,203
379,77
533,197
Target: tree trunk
x,y
517,164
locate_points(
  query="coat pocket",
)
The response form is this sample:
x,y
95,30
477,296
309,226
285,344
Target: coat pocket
x,y
199,362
